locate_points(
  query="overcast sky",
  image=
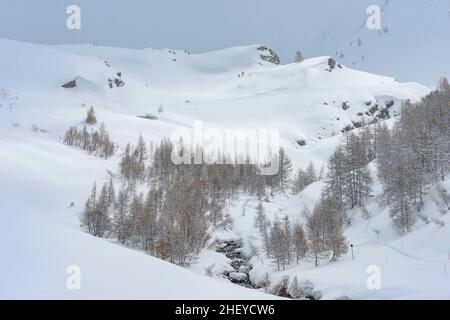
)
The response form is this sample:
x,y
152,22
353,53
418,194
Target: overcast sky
x,y
201,25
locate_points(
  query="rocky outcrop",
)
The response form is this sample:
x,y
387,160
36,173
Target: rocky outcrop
x,y
116,81
269,55
71,84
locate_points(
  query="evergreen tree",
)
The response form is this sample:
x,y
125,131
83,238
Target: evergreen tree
x,y
95,218
90,116
299,241
260,218
298,57
284,171
122,222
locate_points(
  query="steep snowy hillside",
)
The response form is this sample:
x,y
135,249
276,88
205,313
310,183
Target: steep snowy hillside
x,y
46,89
41,240
414,266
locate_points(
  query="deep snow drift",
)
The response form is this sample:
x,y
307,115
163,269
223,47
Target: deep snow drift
x,y
233,88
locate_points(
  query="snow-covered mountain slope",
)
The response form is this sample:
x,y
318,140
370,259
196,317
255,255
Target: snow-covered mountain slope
x,y
234,88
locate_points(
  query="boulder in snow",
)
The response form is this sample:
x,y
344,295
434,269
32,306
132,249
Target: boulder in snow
x,y
306,288
238,276
244,269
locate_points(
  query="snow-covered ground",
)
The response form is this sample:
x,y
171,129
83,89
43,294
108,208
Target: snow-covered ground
x,y
415,266
234,88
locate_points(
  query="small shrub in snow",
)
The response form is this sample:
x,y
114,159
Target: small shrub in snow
x,y
281,288
294,289
298,57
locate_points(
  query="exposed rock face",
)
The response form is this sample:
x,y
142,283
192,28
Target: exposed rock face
x,y
116,81
71,84
331,64
379,110
269,55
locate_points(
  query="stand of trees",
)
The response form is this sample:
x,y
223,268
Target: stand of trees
x,y
323,236
348,181
96,142
167,209
416,152
171,219
324,229
286,242
304,178
348,185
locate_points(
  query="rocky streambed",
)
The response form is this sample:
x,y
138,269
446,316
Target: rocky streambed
x,y
233,250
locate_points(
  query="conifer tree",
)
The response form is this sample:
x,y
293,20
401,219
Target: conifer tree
x,y
294,289
298,57
299,241
90,116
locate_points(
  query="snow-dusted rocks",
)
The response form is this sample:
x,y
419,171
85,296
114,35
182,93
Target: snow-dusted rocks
x,y
238,276
267,54
116,81
244,269
232,249
307,290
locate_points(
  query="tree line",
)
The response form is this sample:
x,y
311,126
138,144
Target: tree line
x,y
348,184
168,209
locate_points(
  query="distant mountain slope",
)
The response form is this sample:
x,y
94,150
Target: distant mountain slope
x,y
234,87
